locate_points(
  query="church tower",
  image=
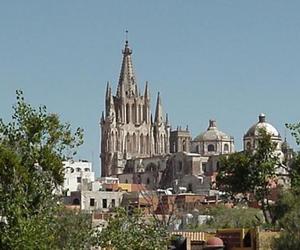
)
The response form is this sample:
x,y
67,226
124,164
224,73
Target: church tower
x,y
127,129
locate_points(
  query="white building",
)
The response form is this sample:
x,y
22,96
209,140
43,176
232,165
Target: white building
x,y
213,142
77,175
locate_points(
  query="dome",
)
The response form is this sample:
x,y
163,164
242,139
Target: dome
x,y
212,133
214,242
254,130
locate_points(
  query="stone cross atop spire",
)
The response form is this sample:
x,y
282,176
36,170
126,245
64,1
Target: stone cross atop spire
x,y
127,77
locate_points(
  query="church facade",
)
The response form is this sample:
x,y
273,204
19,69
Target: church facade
x,y
128,130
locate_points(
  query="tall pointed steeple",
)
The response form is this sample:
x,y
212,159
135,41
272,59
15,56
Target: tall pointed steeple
x,y
107,91
146,93
158,111
127,77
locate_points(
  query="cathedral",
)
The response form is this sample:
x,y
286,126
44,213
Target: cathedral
x,y
128,130
138,147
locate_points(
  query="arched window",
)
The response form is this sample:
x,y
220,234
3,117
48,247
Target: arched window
x,y
248,145
226,148
148,181
179,166
133,109
134,144
147,144
210,148
142,144
183,146
128,143
127,113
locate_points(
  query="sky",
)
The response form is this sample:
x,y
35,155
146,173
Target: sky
x,y
215,59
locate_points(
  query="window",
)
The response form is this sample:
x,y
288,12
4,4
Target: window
x,y
126,181
226,148
148,181
113,203
92,202
78,179
210,148
76,202
204,167
104,203
179,166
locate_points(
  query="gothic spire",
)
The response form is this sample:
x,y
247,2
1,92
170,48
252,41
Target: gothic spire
x,y
146,93
107,91
158,112
127,77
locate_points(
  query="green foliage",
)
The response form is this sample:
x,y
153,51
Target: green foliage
x,y
288,212
32,147
226,217
73,230
233,175
132,232
295,131
251,172
295,171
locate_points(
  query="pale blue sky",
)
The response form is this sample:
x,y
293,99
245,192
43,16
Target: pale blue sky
x,y
228,60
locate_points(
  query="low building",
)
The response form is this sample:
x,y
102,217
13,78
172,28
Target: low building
x,y
89,201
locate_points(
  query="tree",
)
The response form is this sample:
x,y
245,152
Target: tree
x,y
251,173
287,209
288,212
73,230
221,216
132,232
32,147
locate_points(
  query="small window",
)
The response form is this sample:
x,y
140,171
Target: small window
x,y
226,148
180,166
78,179
204,167
104,203
87,170
210,148
78,169
76,202
92,202
113,203
126,181
148,181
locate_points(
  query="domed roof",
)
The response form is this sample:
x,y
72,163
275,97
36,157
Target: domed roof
x,y
214,242
254,130
212,133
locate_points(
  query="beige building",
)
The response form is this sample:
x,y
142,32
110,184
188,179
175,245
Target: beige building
x,y
127,128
